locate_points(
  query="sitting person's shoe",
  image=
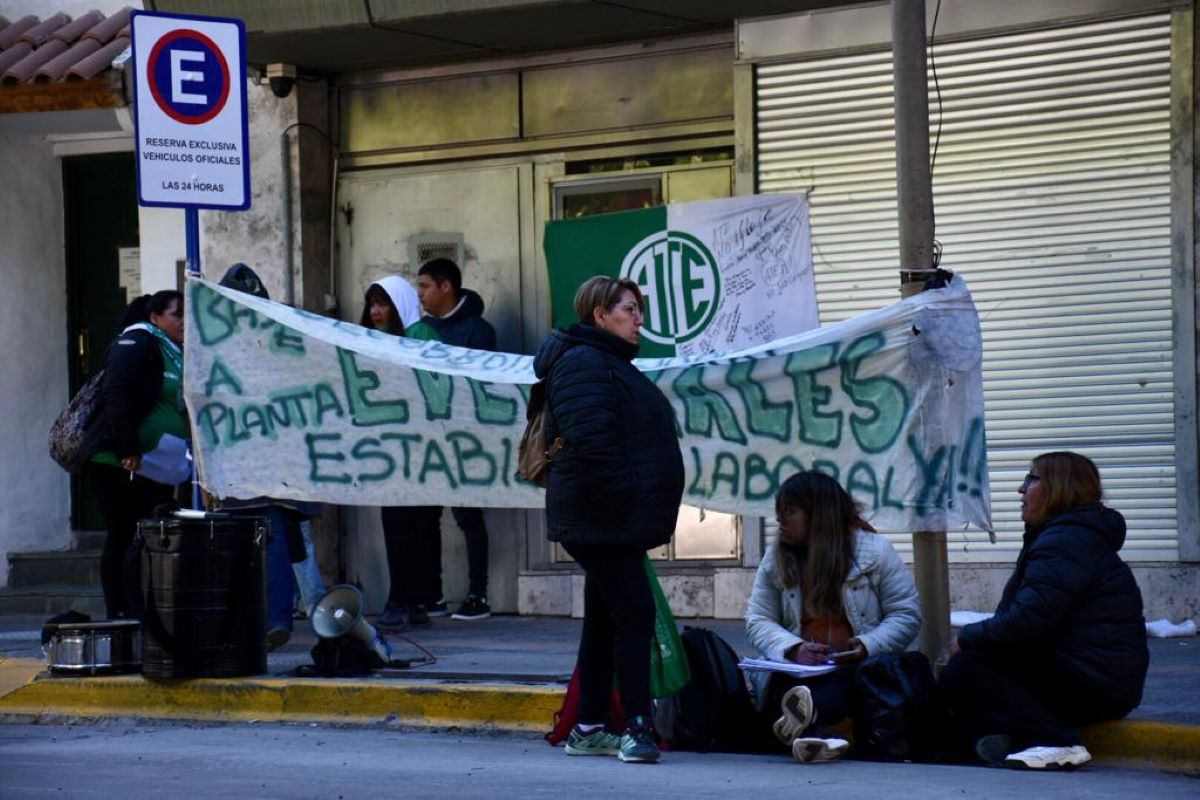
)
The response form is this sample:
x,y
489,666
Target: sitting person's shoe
x,y
811,749
1049,758
638,745
474,607
798,715
277,637
993,749
437,609
418,617
599,742
395,617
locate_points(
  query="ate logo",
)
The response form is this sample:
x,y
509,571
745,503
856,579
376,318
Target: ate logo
x,y
681,282
188,77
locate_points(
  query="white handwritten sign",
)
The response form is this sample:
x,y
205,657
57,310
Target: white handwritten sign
x,y
288,404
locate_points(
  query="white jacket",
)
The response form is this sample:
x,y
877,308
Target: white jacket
x,y
879,597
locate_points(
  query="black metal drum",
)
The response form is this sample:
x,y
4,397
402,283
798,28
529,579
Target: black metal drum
x,y
94,648
204,586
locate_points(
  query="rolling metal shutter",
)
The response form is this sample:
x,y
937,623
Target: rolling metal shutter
x,y
1052,195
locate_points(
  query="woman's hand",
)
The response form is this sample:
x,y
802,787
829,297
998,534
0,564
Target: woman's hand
x,y
131,463
953,647
855,651
809,653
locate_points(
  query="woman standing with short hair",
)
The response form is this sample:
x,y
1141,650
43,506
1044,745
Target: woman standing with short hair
x,y
613,493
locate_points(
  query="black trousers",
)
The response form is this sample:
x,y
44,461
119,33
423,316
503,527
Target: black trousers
x,y
1033,700
618,628
122,503
475,532
834,698
412,536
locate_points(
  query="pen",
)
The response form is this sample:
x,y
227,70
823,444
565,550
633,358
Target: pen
x,y
131,475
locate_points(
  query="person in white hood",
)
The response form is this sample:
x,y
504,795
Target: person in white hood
x,y
412,535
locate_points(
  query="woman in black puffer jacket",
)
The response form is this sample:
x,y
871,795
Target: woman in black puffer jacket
x,y
613,494
1067,644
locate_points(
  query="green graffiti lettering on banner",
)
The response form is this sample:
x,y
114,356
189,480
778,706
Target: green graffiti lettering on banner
x,y
694,489
886,500
884,396
438,390
732,476
363,410
819,428
316,456
217,317
973,462
930,470
828,467
287,404
468,448
861,480
763,417
286,341
255,418
367,449
435,461
405,440
760,480
221,375
326,400
492,409
703,406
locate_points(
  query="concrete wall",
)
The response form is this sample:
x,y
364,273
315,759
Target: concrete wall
x,y
35,502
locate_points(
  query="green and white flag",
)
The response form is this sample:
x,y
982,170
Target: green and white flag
x,y
718,275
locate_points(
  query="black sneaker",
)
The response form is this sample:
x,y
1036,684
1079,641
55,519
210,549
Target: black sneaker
x,y
474,607
437,609
395,617
993,749
418,616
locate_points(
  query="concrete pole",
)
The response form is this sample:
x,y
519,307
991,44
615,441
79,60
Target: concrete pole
x,y
915,209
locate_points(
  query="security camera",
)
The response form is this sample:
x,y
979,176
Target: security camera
x,y
282,78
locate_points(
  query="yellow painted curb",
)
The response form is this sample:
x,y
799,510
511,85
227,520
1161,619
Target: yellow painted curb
x,y
1145,745
525,708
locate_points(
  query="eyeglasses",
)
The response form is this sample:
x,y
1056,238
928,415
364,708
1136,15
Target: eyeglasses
x,y
632,309
1029,478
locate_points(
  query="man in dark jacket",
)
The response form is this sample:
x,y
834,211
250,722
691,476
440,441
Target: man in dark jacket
x,y
454,315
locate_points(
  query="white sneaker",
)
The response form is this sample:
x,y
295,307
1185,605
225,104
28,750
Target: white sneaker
x,y
1049,758
810,749
798,714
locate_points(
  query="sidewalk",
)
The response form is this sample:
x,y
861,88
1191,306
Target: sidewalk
x,y
507,672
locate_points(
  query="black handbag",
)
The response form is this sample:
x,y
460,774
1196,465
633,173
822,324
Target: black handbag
x,y
899,715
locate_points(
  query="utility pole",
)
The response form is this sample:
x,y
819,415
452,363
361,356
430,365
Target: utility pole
x,y
914,186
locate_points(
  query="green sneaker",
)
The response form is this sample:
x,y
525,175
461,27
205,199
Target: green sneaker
x,y
638,743
597,743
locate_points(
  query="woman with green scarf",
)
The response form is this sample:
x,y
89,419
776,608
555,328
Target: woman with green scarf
x,y
140,400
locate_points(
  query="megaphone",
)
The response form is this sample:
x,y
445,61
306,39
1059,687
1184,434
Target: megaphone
x,y
339,613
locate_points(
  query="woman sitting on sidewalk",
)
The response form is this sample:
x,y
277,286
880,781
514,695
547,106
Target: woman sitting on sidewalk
x,y
1067,644
830,590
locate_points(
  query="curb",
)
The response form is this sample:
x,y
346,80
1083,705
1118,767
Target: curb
x,y
505,706
27,690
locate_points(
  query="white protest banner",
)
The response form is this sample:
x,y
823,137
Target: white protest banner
x,y
292,405
717,275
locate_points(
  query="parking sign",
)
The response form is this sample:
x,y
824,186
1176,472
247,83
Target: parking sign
x,y
191,127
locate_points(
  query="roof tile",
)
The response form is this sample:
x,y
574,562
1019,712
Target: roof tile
x,y
39,34
10,35
99,61
73,30
104,31
24,69
61,49
57,67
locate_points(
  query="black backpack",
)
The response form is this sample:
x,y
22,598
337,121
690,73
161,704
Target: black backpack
x,y
713,710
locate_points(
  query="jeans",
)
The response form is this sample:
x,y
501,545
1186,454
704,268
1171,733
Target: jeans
x,y
281,583
309,583
618,628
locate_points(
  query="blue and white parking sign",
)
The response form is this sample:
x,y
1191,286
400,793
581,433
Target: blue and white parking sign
x,y
190,111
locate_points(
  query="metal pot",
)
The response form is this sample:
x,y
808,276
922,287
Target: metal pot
x,y
95,648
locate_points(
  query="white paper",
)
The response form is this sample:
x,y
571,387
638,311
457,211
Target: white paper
x,y
788,667
170,462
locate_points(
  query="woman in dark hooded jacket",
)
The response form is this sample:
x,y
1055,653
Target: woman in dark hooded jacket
x,y
1067,644
613,494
